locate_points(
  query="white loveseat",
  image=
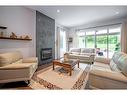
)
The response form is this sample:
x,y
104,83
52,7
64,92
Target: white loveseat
x,y
85,55
14,68
109,73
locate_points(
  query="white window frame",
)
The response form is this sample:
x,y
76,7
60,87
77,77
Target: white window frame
x,y
95,35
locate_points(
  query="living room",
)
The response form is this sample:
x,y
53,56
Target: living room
x,y
36,41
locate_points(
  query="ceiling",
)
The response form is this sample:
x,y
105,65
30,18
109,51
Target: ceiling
x,y
71,16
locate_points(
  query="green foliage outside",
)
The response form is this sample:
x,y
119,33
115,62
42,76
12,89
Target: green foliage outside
x,y
101,42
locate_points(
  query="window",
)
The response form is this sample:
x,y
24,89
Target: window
x,y
106,41
90,39
113,41
101,42
82,42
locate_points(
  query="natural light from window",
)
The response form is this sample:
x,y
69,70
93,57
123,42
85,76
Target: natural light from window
x,y
106,41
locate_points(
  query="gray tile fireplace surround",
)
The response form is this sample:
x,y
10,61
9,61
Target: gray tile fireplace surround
x,y
45,36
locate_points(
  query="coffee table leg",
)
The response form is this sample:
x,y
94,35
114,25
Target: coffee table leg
x,y
70,71
53,66
78,64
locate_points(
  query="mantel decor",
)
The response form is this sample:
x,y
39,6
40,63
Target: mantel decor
x,y
3,27
15,38
1,32
70,39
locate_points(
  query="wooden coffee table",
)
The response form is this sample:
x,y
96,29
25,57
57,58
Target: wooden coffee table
x,y
68,65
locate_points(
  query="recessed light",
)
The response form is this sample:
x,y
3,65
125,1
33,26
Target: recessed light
x,y
58,11
117,12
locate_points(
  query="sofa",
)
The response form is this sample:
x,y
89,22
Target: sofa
x,y
85,55
14,68
109,73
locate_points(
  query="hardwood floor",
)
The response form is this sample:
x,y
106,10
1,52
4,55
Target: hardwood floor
x,y
43,66
21,84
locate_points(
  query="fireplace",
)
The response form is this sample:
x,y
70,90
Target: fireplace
x,y
46,54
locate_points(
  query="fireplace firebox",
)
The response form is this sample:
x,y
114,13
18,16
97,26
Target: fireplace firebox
x,y
46,54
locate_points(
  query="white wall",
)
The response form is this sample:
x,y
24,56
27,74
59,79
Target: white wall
x,y
72,32
21,21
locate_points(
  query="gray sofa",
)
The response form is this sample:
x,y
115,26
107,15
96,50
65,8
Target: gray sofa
x,y
109,73
85,55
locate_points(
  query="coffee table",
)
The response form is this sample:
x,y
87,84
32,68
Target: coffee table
x,y
68,65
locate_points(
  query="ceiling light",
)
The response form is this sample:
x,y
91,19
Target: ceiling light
x,y
58,11
117,12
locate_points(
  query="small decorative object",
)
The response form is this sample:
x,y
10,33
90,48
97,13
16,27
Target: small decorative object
x,y
13,35
70,39
27,37
1,34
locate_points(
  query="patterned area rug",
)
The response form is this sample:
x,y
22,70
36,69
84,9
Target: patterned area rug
x,y
54,79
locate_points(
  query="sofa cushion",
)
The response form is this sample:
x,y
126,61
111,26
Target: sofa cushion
x,y
84,57
17,62
114,67
74,56
122,64
116,56
30,60
77,50
105,73
15,66
99,64
8,58
111,63
76,53
92,54
100,68
102,60
87,50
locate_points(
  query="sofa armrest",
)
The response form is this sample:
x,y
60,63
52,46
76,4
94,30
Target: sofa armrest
x,y
92,55
67,53
116,76
102,60
30,60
